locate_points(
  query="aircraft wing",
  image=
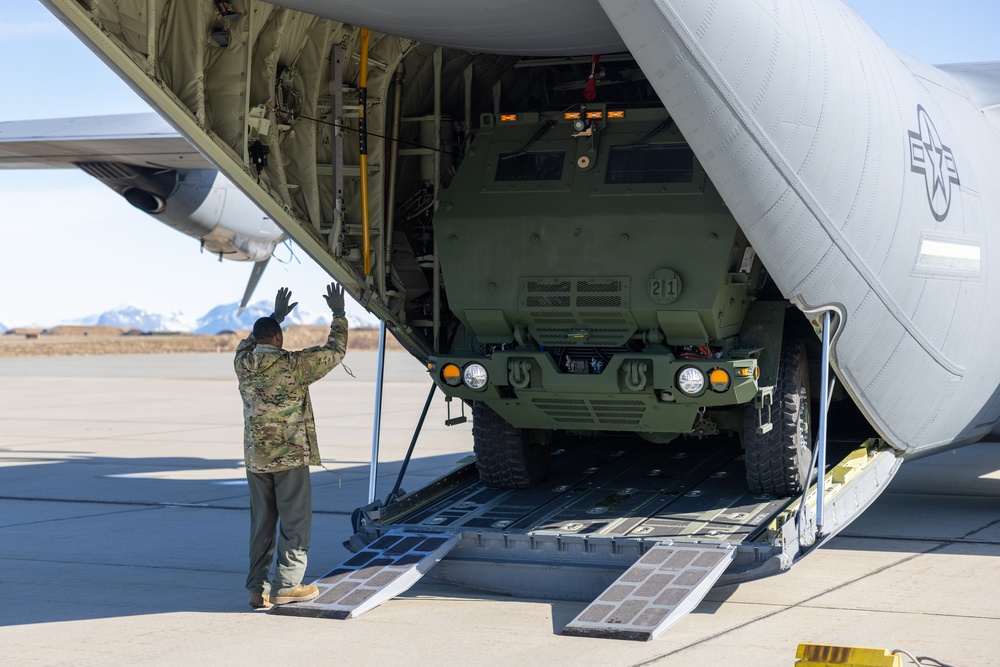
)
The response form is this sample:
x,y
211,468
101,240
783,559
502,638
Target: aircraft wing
x,y
141,139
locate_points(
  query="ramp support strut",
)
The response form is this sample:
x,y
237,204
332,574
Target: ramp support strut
x,y
821,436
379,381
810,533
394,494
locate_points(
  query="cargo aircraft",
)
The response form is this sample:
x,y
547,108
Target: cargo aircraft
x,y
156,170
596,217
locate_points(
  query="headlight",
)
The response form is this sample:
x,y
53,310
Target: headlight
x,y
691,381
475,376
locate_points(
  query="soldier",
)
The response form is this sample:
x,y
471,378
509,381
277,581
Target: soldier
x,y
279,445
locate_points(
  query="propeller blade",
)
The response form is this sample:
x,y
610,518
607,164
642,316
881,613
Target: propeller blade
x,y
258,271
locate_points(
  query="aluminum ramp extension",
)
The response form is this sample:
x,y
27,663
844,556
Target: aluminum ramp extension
x,y
657,591
379,572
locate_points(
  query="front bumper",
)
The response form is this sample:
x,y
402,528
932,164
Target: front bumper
x,y
634,392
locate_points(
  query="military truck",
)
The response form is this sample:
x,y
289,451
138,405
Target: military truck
x,y
599,284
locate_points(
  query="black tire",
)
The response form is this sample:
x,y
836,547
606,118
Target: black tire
x,y
778,461
507,457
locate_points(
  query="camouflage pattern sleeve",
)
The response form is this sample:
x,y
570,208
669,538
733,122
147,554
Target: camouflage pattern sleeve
x,y
245,347
279,426
313,363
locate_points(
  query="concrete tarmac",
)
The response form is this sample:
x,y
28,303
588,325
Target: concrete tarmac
x,y
123,540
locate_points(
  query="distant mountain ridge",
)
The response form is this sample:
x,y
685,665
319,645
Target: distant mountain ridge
x,y
220,318
224,317
130,317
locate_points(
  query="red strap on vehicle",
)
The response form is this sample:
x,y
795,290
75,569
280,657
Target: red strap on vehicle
x,y
590,90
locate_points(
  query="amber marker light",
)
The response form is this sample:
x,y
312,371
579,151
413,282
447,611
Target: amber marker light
x,y
451,375
616,115
595,115
508,118
743,372
719,380
571,115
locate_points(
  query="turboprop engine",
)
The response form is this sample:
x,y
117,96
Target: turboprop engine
x,y
201,203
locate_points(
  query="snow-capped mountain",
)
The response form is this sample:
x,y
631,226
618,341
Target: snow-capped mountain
x,y
223,318
220,318
130,317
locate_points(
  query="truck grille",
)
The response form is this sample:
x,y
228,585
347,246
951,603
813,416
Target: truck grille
x,y
598,337
565,311
604,412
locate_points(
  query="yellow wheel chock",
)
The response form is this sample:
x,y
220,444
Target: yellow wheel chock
x,y
822,655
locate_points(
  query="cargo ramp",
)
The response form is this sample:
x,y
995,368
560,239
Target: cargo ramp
x,y
640,532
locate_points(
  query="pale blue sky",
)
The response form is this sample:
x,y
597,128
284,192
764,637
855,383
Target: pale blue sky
x,y
74,247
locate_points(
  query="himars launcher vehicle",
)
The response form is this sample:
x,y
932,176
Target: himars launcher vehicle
x,y
621,216
600,284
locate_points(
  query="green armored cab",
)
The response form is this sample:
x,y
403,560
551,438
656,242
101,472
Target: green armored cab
x,y
602,285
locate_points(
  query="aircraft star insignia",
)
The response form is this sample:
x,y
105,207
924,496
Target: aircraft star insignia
x,y
930,157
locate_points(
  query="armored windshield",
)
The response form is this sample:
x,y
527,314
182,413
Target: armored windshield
x,y
632,164
541,166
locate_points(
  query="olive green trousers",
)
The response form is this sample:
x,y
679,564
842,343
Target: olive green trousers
x,y
280,507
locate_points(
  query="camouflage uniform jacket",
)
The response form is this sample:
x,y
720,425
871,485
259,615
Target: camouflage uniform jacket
x,y
279,431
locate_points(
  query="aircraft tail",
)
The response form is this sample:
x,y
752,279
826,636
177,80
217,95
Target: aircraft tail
x,y
821,147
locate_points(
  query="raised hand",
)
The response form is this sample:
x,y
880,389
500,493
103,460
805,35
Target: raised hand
x,y
335,299
281,305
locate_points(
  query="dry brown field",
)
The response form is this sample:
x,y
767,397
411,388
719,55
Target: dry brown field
x,y
59,343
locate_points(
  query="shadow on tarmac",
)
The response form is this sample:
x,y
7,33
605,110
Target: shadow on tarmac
x,y
949,499
99,537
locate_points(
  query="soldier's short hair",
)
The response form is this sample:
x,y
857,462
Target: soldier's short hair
x,y
266,328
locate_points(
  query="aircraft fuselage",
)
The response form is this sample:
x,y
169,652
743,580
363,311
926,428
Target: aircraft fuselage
x,y
837,175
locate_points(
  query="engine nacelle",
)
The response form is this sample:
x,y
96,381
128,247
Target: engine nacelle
x,y
195,202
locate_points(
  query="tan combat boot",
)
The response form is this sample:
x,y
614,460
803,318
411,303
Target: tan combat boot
x,y
298,594
260,601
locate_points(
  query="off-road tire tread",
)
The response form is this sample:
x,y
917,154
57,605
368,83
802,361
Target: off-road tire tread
x,y
503,456
772,459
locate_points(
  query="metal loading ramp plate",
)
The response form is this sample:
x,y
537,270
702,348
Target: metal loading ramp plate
x,y
385,568
656,592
